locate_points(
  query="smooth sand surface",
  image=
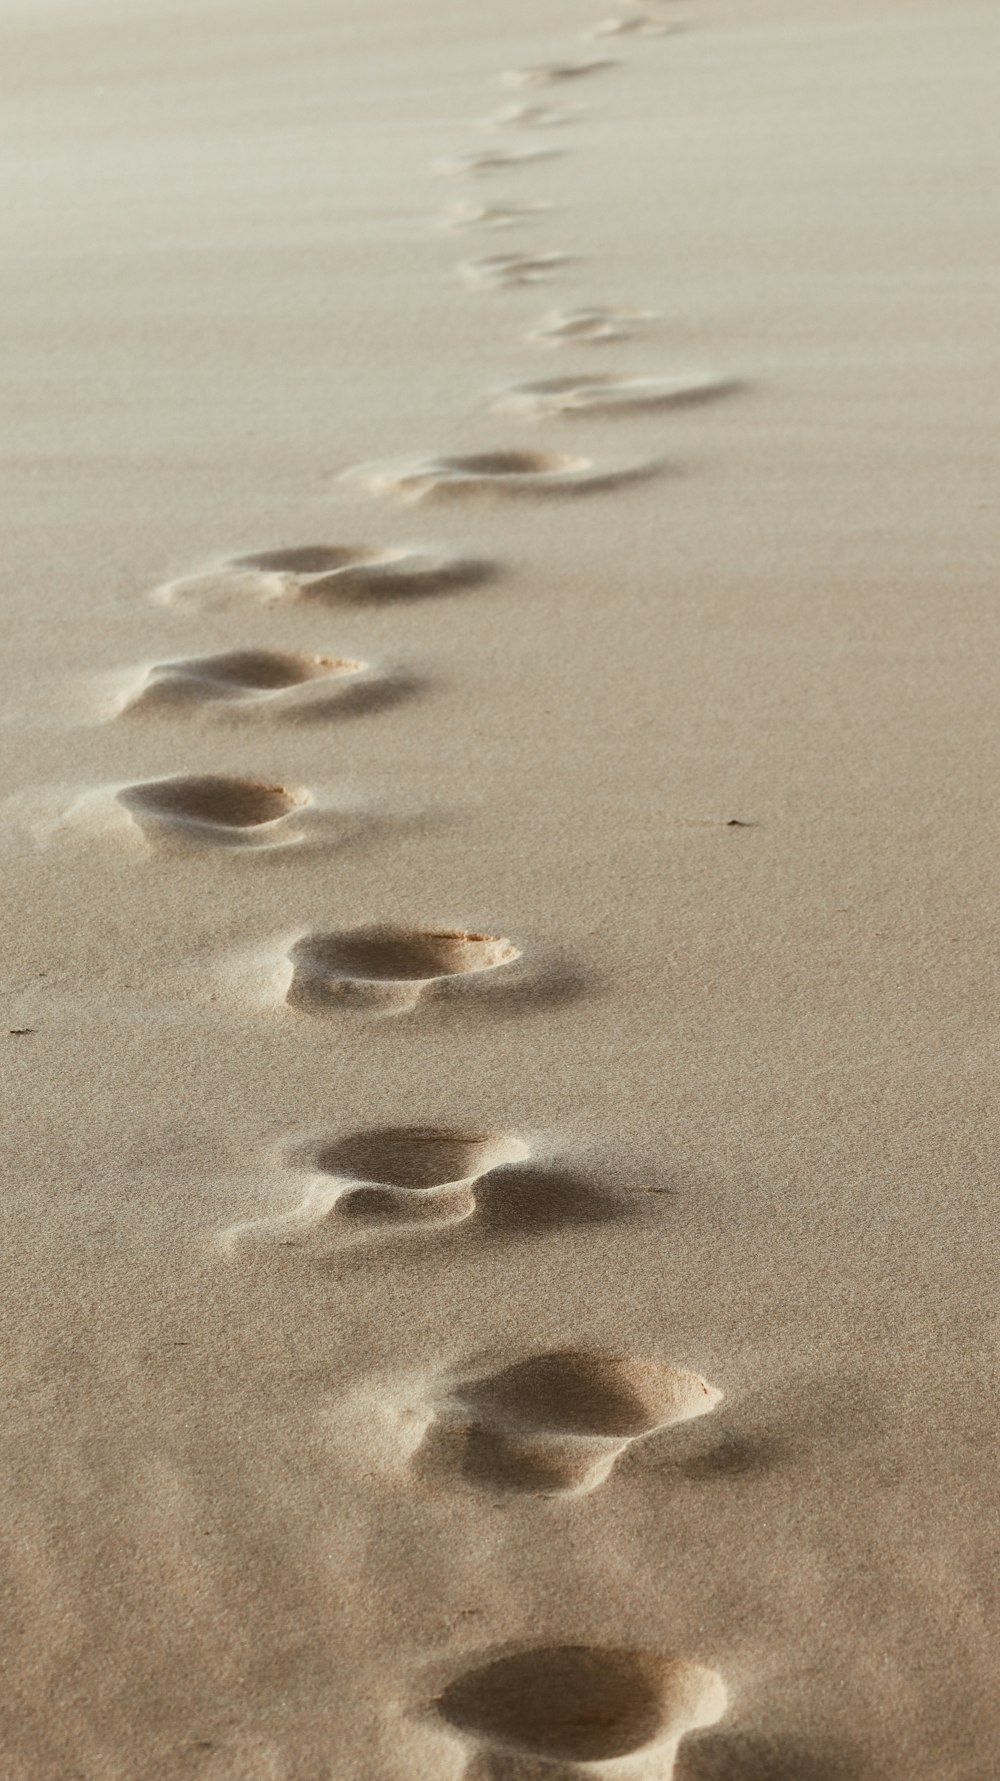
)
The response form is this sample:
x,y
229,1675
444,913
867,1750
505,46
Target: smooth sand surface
x,y
499,1246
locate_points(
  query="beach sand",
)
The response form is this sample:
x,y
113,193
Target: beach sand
x,y
498,1238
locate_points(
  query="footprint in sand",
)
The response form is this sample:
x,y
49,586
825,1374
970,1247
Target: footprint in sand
x,y
500,271
390,1178
217,809
244,677
389,969
610,395
331,574
558,1423
496,473
637,24
549,73
532,117
493,160
566,327
489,216
543,1710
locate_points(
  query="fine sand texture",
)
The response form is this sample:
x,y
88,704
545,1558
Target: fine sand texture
x,y
499,699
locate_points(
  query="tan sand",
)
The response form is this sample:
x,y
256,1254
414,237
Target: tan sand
x,y
499,1243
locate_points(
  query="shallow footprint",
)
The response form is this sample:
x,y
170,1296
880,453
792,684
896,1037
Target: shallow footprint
x,y
532,117
559,1422
240,676
499,271
611,395
218,809
388,969
330,574
493,160
496,473
567,326
637,24
548,73
489,216
582,1704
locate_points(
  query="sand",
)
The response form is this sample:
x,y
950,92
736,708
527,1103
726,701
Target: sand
x,y
499,736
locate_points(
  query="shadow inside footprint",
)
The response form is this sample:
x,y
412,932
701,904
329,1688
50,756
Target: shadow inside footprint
x,y
387,968
215,808
582,1704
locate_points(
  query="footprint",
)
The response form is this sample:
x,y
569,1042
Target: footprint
x,y
217,808
411,1174
583,395
638,24
567,326
498,472
493,160
548,73
616,1712
241,676
489,216
532,117
558,1423
499,271
388,969
327,573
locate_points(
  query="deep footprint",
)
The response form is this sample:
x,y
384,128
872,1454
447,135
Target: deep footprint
x,y
216,808
610,395
584,1704
328,574
414,1174
559,1422
388,969
496,473
245,676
